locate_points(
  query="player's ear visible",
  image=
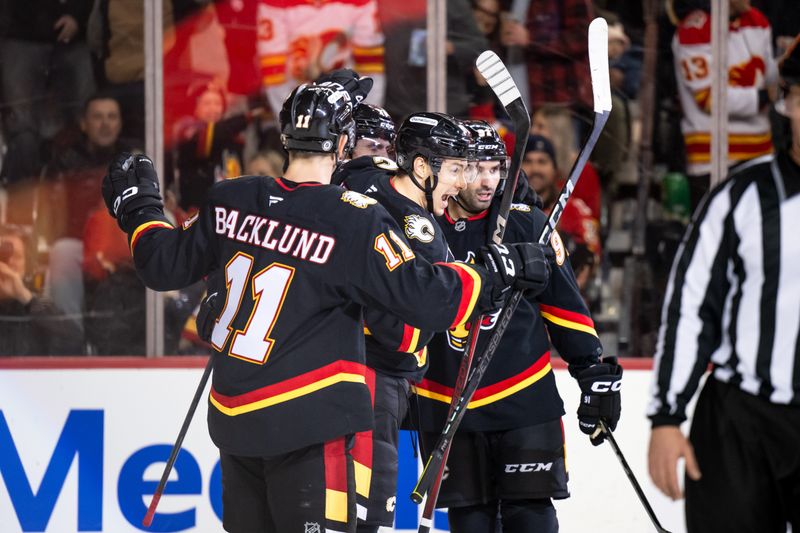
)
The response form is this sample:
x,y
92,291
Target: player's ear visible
x,y
421,168
343,139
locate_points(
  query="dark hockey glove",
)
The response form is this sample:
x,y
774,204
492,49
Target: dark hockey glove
x,y
131,186
357,86
211,306
600,400
520,266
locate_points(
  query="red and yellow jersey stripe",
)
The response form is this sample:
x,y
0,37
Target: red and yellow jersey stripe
x,y
338,372
740,146
368,60
362,447
144,228
336,480
273,69
410,339
567,319
491,393
470,290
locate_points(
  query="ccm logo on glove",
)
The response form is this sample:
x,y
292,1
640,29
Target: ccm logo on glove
x,y
606,386
127,193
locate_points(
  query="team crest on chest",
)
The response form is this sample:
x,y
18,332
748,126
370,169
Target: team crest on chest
x,y
357,199
419,227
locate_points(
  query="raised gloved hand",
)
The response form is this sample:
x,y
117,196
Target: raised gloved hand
x,y
600,399
520,266
357,86
130,186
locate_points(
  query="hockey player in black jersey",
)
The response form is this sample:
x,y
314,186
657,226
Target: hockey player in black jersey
x,y
435,149
301,259
508,458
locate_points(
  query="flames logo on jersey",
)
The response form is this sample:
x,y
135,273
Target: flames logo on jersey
x,y
749,73
457,337
419,227
357,199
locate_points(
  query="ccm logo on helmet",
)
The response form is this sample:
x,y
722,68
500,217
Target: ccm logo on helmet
x,y
528,467
606,386
127,193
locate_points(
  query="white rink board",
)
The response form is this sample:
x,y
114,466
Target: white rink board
x,y
126,410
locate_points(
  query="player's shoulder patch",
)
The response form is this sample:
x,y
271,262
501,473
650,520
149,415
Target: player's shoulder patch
x,y
525,208
419,228
189,221
384,163
558,248
357,199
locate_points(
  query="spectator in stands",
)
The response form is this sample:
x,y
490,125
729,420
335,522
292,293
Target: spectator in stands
x,y
123,62
577,221
298,42
43,51
554,39
74,178
29,324
555,123
751,74
209,145
405,26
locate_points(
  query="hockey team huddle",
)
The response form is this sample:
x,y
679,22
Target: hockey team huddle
x,y
344,294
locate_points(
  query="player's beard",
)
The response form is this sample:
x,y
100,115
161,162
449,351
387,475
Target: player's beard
x,y
471,201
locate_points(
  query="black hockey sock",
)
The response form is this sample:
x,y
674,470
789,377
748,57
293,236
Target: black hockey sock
x,y
473,518
522,516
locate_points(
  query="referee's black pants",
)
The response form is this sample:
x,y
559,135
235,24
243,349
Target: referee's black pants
x,y
748,450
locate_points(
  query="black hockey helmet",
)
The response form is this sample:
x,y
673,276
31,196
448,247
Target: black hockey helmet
x,y
486,144
315,115
374,121
433,136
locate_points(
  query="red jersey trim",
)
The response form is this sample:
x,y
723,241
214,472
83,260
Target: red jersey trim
x,y
289,188
144,228
290,389
491,393
470,290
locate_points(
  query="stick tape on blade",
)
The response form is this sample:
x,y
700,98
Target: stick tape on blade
x,y
497,76
598,62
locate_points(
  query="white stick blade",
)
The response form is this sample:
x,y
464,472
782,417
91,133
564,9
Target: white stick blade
x,y
497,76
598,62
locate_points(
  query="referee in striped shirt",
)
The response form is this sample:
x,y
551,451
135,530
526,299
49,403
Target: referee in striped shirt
x,y
734,300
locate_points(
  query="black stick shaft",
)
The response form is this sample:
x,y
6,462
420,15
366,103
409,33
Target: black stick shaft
x,y
632,478
151,510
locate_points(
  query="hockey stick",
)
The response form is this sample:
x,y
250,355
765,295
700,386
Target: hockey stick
x,y
151,511
499,79
628,472
598,61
